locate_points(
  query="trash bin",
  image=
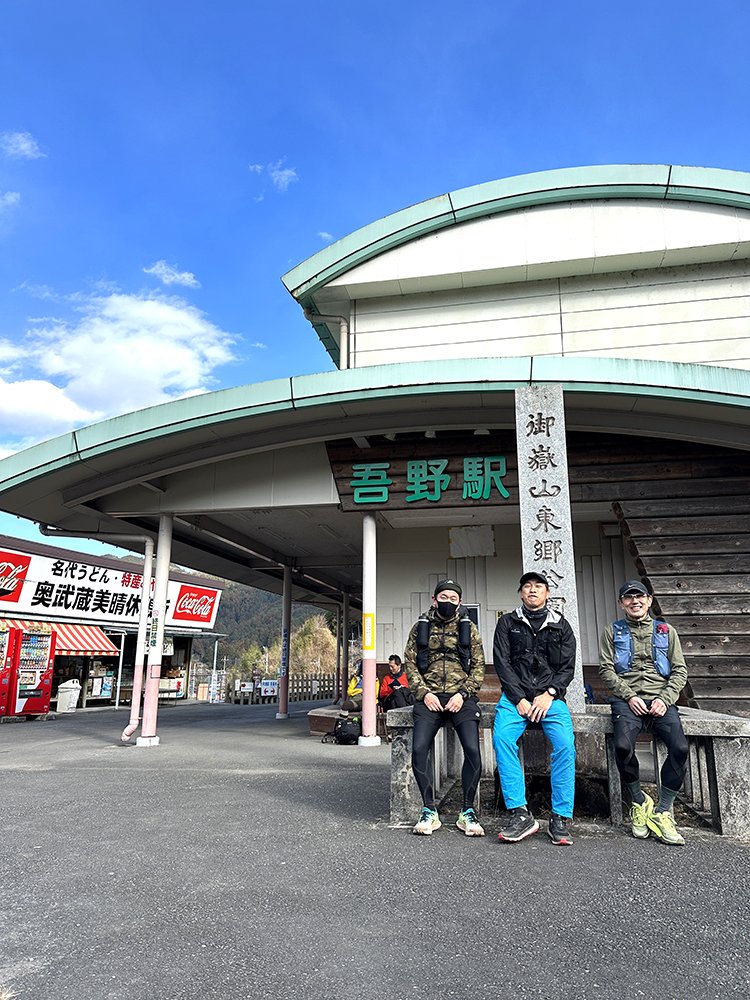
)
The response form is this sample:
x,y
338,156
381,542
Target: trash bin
x,y
67,695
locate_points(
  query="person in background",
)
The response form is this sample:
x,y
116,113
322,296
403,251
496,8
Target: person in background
x,y
394,687
641,663
353,701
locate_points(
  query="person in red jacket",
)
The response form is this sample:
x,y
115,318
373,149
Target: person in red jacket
x,y
394,687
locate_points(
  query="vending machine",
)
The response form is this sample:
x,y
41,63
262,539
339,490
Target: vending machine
x,y
8,641
30,682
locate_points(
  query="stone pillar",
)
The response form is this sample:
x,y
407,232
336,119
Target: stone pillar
x,y
544,498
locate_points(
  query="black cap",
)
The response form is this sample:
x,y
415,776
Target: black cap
x,y
528,577
447,585
633,587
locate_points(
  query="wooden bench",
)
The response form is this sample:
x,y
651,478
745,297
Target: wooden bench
x,y
717,783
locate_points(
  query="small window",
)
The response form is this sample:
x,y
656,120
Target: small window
x,y
473,613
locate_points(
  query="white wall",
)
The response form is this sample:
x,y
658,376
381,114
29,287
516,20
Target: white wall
x,y
697,313
411,561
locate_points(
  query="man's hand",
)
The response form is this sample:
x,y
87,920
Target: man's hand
x,y
540,706
455,704
524,707
658,708
637,705
432,702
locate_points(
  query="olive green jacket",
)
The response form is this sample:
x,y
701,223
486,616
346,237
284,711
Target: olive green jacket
x,y
444,673
643,679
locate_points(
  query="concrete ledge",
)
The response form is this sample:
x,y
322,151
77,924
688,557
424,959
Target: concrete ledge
x,y
717,783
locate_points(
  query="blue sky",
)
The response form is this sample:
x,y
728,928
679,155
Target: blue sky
x,y
162,164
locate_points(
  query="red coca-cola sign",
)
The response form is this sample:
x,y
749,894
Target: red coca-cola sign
x,y
13,570
194,604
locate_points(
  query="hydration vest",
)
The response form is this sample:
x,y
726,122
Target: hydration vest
x,y
424,627
623,643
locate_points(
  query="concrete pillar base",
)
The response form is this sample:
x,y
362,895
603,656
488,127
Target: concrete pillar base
x,y
282,715
369,741
147,741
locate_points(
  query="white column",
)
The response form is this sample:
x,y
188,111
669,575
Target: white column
x,y
156,634
140,642
369,659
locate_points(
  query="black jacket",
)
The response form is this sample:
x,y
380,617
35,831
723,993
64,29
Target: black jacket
x,y
527,664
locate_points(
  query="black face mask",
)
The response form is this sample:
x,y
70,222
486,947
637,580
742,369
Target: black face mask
x,y
446,609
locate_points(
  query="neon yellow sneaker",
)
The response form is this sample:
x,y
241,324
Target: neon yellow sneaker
x,y
468,822
639,814
661,824
427,822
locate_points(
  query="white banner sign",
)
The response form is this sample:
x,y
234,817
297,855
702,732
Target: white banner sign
x,y
40,586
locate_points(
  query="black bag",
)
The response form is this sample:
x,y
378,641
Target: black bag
x,y
346,731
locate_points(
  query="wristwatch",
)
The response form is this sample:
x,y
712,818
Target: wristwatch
x,y
464,693
552,691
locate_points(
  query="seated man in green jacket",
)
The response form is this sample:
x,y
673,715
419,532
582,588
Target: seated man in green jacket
x,y
641,662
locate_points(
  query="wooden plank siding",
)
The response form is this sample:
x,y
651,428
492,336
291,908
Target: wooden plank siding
x,y
691,538
684,512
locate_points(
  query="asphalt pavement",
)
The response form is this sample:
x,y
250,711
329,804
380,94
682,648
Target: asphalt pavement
x,y
243,858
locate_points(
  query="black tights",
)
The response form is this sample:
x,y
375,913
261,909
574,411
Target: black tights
x,y
426,726
668,728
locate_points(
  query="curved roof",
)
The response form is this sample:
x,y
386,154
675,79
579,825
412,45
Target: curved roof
x,y
245,471
619,181
211,421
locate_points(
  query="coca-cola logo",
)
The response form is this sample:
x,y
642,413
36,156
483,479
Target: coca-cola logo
x,y
13,570
194,604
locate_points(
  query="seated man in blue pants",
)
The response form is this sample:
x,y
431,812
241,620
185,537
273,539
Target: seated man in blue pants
x,y
534,653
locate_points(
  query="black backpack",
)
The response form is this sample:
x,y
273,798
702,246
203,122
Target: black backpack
x,y
346,731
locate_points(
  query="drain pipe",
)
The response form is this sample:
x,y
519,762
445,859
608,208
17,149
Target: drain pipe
x,y
140,649
343,323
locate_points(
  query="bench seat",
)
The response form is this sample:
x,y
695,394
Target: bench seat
x,y
717,783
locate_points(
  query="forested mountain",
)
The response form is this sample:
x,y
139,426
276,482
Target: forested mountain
x,y
248,617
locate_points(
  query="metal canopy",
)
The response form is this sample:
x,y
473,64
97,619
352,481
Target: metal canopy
x,y
245,472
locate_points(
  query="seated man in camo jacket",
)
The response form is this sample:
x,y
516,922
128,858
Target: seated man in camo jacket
x,y
444,662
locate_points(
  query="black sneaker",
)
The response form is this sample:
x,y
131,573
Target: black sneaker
x,y
520,824
558,830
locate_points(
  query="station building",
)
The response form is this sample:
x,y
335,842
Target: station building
x,y
628,286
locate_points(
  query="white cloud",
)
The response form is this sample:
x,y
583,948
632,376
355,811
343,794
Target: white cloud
x,y
8,200
20,146
326,237
38,291
281,176
259,345
117,353
169,275
32,406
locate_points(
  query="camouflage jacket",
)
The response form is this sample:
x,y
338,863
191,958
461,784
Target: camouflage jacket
x,y
444,673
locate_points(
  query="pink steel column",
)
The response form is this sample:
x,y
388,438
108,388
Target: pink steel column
x,y
369,660
140,643
286,629
156,635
